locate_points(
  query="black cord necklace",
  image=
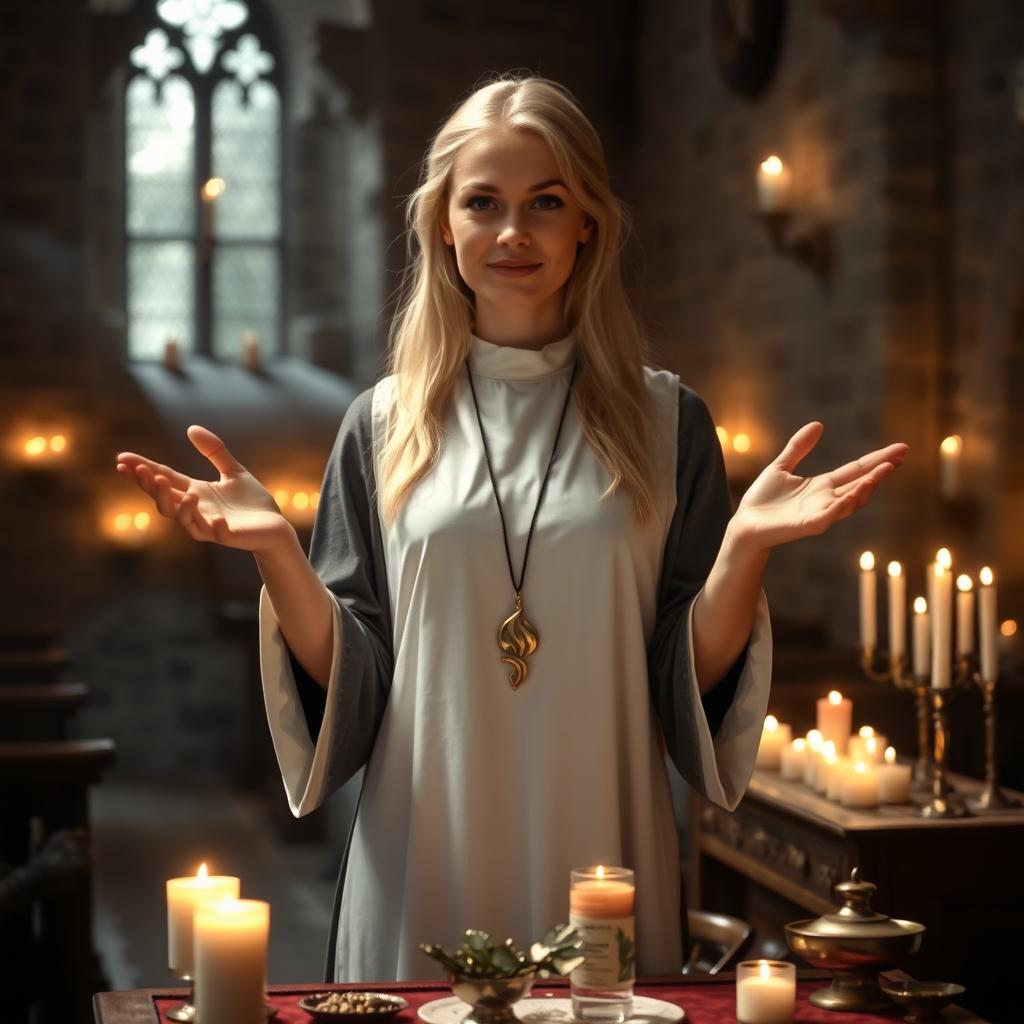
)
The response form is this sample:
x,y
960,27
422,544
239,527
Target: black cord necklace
x,y
517,636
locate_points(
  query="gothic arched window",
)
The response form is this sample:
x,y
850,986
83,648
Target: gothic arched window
x,y
203,181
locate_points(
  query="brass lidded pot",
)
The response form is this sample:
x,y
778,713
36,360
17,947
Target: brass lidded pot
x,y
855,943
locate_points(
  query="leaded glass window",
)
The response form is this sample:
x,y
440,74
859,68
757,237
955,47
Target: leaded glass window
x,y
203,181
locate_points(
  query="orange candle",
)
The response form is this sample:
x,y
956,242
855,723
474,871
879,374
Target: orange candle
x,y
601,909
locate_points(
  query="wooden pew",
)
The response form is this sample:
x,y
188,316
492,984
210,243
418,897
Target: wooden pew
x,y
39,711
46,941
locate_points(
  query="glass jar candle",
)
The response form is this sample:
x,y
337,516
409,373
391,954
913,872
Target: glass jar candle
x,y
765,992
602,902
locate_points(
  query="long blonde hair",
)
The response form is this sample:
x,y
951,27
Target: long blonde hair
x,y
429,335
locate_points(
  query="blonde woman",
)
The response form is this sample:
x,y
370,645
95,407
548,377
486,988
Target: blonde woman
x,y
525,584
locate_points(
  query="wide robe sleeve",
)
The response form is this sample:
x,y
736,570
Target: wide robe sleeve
x,y
322,738
712,740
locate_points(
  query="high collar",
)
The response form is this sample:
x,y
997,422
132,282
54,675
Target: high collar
x,y
506,362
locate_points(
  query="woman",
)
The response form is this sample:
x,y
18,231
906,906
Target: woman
x,y
514,724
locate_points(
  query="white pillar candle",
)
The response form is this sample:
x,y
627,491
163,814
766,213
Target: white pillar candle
x,y
987,625
231,961
837,769
814,742
964,614
942,626
860,786
867,745
183,894
893,780
949,465
826,758
868,609
765,992
897,610
773,181
835,715
774,736
793,760
922,639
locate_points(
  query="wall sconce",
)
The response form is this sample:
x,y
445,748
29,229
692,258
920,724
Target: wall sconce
x,y
128,529
43,449
807,242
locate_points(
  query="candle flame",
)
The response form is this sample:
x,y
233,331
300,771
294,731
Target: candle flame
x,y
829,748
865,731
301,500
314,499
723,437
943,557
964,583
141,521
951,445
741,443
835,698
771,723
58,443
860,767
920,606
213,187
940,569
895,569
1008,627
772,165
871,744
986,576
799,743
600,871
35,446
202,872
814,738
764,970
867,560
890,755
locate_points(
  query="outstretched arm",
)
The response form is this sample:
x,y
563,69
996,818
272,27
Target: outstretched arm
x,y
778,508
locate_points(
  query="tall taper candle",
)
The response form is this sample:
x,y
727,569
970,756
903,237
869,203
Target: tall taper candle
x,y
988,626
922,638
964,615
942,623
897,610
868,609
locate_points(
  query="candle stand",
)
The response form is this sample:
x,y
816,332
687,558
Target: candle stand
x,y
897,675
184,1013
992,798
944,802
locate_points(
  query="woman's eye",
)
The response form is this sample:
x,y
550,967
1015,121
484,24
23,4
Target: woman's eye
x,y
546,202
555,199
477,199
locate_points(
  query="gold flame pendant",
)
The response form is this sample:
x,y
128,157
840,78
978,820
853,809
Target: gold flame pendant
x,y
517,639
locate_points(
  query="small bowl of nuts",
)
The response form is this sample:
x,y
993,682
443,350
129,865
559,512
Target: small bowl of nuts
x,y
351,1005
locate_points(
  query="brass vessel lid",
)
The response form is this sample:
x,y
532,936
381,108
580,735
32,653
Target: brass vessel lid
x,y
855,918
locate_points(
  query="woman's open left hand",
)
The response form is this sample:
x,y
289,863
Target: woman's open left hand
x,y
780,506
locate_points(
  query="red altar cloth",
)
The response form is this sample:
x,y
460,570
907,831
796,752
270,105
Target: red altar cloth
x,y
709,1001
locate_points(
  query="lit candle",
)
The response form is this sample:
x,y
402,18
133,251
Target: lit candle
x,y
602,903
893,780
836,773
183,894
987,628
868,610
814,742
942,627
922,639
964,614
949,465
897,610
835,714
826,758
774,736
794,757
773,186
765,992
867,745
860,786
231,938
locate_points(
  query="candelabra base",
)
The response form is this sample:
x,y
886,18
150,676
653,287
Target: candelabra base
x,y
945,807
992,801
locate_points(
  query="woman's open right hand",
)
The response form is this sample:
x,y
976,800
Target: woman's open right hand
x,y
236,510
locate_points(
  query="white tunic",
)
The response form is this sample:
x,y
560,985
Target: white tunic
x,y
479,799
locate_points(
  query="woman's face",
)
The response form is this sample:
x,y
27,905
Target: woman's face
x,y
507,203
